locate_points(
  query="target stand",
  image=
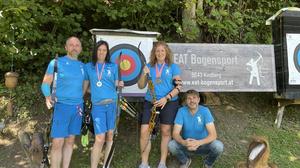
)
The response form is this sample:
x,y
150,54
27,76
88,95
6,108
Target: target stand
x,y
286,40
281,104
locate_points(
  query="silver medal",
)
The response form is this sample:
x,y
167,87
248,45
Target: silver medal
x,y
99,83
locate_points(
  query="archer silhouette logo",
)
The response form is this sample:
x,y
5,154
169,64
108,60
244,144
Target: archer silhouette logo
x,y
254,68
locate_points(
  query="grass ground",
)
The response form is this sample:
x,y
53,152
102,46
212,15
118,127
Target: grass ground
x,y
240,116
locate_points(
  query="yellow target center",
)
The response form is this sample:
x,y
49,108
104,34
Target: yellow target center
x,y
125,65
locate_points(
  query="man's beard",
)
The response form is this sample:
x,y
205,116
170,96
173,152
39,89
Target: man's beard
x,y
74,54
193,105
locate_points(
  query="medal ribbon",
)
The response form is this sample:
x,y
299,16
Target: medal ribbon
x,y
97,71
159,71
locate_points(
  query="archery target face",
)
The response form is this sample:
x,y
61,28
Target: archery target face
x,y
132,62
293,54
297,57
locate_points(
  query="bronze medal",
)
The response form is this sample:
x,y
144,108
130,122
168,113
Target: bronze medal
x,y
158,80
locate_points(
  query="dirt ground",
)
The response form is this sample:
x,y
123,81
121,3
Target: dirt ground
x,y
231,119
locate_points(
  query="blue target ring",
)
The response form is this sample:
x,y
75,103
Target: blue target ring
x,y
131,60
297,57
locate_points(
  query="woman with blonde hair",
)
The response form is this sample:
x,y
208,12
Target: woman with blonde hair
x,y
165,76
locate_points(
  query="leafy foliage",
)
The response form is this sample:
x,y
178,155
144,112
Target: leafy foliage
x,y
33,31
235,21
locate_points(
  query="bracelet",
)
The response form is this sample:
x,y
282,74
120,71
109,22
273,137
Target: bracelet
x,y
177,89
170,95
169,98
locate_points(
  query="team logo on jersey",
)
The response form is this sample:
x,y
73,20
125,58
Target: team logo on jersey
x,y
108,73
167,71
82,71
199,120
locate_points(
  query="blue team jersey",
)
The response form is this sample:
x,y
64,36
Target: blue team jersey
x,y
166,85
108,79
194,126
70,77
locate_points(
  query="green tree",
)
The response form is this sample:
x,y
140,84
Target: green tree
x,y
231,21
32,32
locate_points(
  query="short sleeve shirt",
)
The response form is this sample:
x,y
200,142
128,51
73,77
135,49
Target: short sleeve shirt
x,y
70,77
109,76
166,85
194,126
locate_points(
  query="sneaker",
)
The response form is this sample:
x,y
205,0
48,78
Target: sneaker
x,y
187,163
143,166
162,165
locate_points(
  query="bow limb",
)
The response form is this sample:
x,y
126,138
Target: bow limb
x,y
110,146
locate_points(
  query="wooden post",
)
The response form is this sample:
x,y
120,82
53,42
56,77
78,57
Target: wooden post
x,y
282,103
279,116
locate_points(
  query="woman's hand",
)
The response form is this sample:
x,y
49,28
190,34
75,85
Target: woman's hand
x,y
121,84
146,70
142,82
161,102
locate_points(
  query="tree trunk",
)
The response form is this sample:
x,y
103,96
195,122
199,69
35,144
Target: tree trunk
x,y
189,23
200,4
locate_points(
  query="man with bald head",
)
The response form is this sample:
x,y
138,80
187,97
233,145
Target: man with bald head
x,y
67,101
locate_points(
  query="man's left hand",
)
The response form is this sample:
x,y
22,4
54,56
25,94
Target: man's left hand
x,y
193,144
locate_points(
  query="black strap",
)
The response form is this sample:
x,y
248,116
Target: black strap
x,y
55,63
54,83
